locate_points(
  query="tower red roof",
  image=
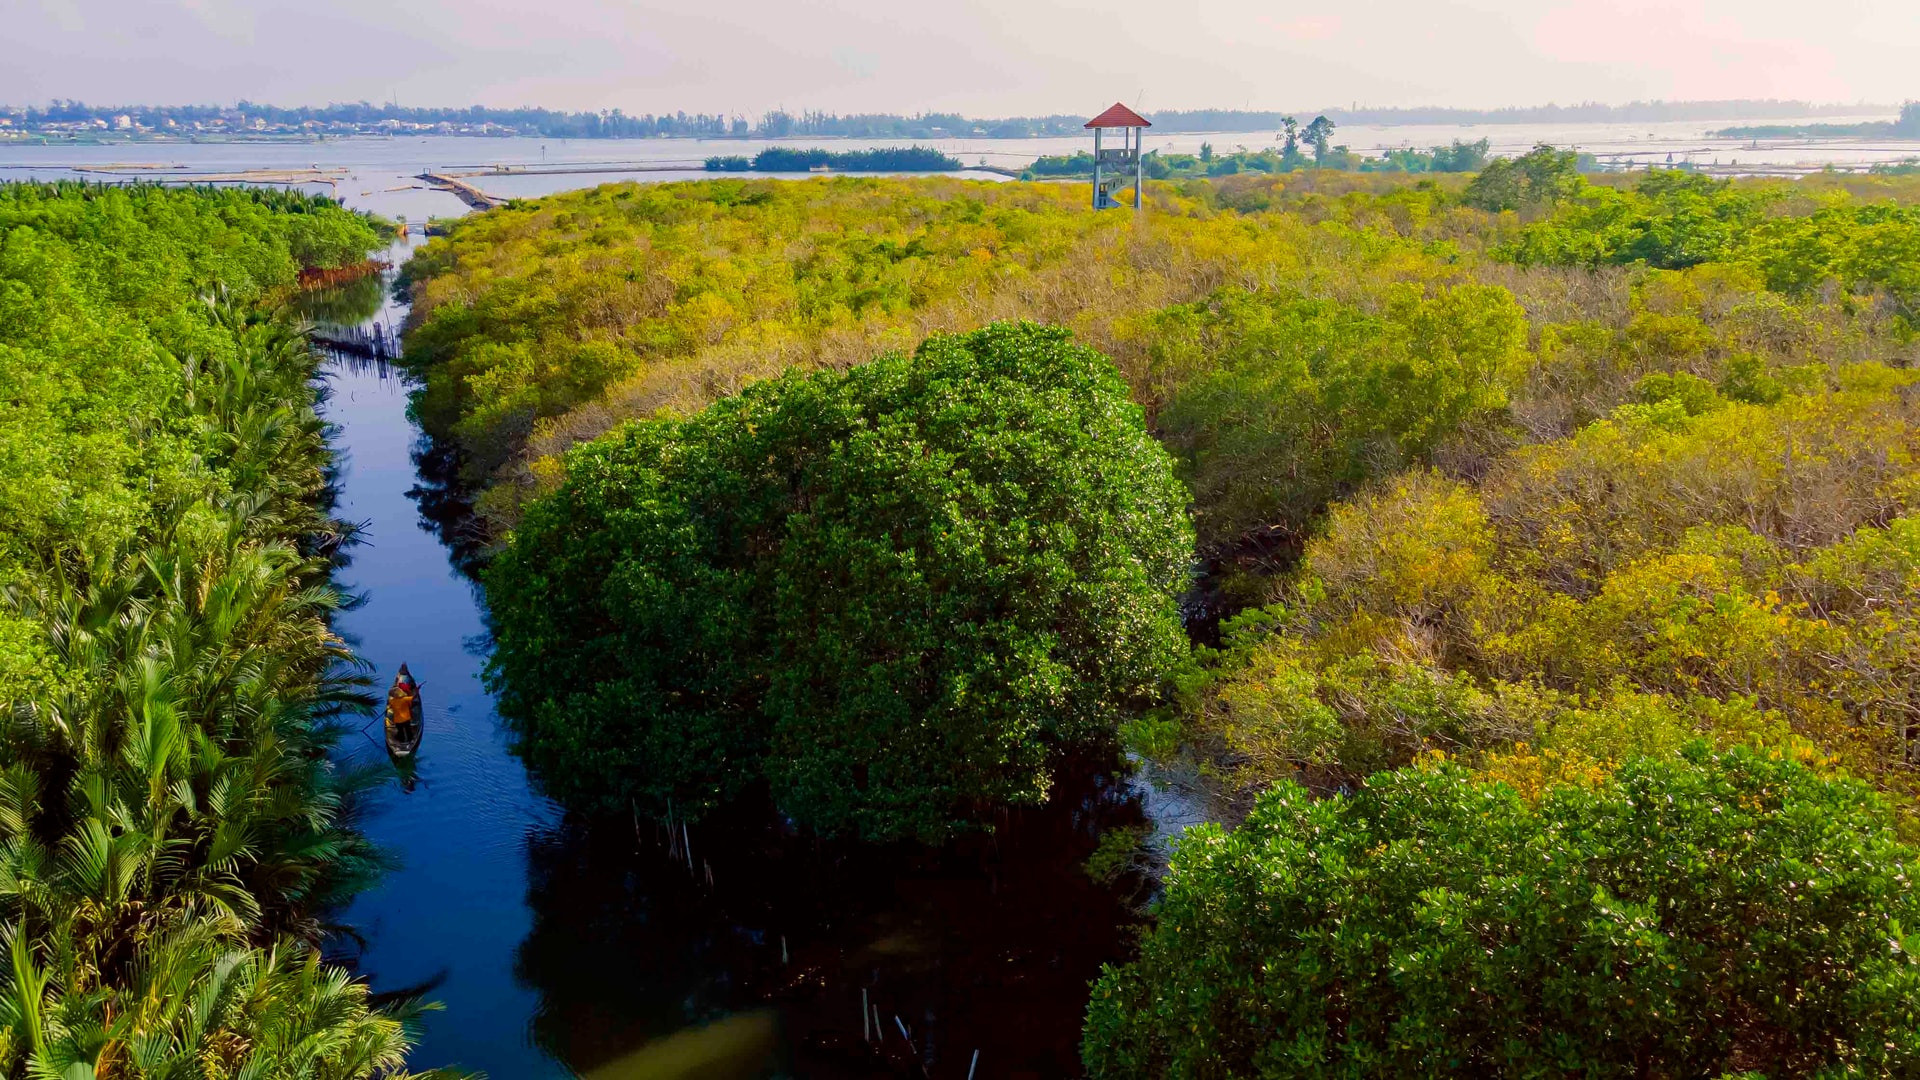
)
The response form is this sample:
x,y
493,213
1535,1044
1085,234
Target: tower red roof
x,y
1119,117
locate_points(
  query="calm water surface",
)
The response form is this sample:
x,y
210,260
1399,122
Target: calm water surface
x,y
451,914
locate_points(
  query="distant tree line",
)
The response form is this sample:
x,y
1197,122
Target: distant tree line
x,y
1906,126
1586,113
610,124
1316,137
614,123
549,123
887,159
778,124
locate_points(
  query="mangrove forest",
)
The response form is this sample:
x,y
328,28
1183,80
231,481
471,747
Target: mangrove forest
x,y
1517,567
1533,517
173,829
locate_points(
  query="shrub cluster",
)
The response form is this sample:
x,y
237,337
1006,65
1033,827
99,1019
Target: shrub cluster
x,y
1697,914
1748,556
776,159
1284,403
892,595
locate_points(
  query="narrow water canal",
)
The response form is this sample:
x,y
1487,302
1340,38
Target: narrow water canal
x,y
448,918
561,950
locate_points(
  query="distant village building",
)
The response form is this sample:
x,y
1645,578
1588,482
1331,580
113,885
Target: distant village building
x,y
1111,166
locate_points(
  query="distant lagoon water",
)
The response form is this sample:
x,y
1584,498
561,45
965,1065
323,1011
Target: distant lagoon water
x,y
369,169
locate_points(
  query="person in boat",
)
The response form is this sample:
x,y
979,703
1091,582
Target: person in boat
x,y
400,700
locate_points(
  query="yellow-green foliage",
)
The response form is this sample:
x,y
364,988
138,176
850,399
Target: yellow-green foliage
x,y
1696,514
1281,403
1602,438
668,294
1748,570
548,322
1241,310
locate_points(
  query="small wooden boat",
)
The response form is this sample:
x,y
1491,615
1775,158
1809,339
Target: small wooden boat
x,y
406,720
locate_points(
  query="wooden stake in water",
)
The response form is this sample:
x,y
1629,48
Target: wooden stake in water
x,y
974,1065
783,948
866,1029
688,839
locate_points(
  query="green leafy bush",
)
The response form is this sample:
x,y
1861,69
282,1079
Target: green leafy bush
x,y
893,594
885,159
1296,401
1672,220
1539,178
1685,916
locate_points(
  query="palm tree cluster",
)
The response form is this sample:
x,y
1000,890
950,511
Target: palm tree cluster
x,y
173,827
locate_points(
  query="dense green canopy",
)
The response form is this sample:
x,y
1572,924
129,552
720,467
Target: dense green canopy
x,y
1289,402
893,594
171,826
1689,916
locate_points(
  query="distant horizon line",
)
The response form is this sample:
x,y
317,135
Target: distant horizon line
x,y
243,104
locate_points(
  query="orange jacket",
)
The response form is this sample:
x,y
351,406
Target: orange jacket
x,y
399,706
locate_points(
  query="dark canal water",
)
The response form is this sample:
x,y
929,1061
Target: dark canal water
x,y
562,949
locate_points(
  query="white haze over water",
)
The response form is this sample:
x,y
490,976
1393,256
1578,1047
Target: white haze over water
x,y
979,57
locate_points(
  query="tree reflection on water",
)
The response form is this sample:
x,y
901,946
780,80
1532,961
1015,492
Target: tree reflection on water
x,y
347,304
987,944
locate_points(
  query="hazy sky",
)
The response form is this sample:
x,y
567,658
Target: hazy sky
x,y
981,57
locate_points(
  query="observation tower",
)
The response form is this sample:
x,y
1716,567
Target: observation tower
x,y
1111,166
